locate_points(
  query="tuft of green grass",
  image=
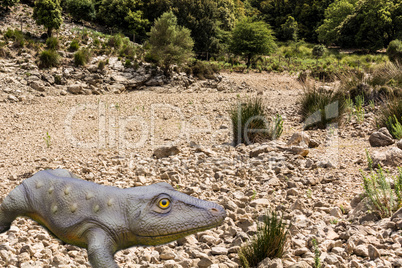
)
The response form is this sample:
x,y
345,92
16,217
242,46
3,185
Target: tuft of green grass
x,y
389,116
250,124
321,107
49,58
369,160
52,43
116,41
377,188
74,45
82,57
270,241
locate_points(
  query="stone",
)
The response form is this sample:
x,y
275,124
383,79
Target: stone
x,y
38,86
300,264
399,144
12,98
373,252
166,151
219,251
393,157
299,139
336,212
259,150
75,89
397,215
381,138
361,250
260,202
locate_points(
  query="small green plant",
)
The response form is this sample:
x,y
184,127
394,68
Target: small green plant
x,y
52,43
333,221
116,41
309,193
47,140
254,195
396,128
48,58
359,110
369,160
74,45
57,80
101,65
82,57
270,241
317,260
377,188
127,64
389,115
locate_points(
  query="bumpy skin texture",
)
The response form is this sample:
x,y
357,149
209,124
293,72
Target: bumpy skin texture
x,y
105,219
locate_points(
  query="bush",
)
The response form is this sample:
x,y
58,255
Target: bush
x,y
203,70
81,9
128,50
52,43
320,107
101,65
377,188
48,58
74,45
116,41
250,124
390,115
269,242
394,51
82,57
16,36
318,51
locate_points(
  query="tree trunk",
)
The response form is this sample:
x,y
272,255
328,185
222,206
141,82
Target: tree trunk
x,y
248,60
49,32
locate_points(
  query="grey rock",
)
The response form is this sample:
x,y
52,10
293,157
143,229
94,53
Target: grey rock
x,y
361,250
399,144
166,151
75,89
336,212
380,138
373,252
393,157
38,86
219,251
397,215
12,98
299,139
300,264
259,150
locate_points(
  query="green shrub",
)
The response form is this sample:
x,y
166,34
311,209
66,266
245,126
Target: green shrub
x,y
16,36
318,51
74,45
52,43
394,51
203,70
101,65
377,188
396,127
269,242
81,9
127,64
48,58
389,74
321,107
116,41
389,115
250,124
82,57
127,51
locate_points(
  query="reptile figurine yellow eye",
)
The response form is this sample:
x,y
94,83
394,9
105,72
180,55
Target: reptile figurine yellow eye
x,y
105,219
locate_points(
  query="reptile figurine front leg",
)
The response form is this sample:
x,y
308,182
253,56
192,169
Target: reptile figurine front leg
x,y
106,219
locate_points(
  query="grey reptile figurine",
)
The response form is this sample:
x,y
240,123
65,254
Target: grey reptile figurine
x,y
106,219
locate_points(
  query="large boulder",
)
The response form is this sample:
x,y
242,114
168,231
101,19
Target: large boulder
x,y
380,138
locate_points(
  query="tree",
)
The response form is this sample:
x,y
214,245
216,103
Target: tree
x,y
252,38
48,14
394,51
170,43
335,14
81,9
123,14
289,29
8,3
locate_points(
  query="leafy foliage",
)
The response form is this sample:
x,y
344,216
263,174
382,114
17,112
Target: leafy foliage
x,y
52,43
270,241
251,38
48,14
15,35
81,9
394,51
123,14
170,43
74,45
289,29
